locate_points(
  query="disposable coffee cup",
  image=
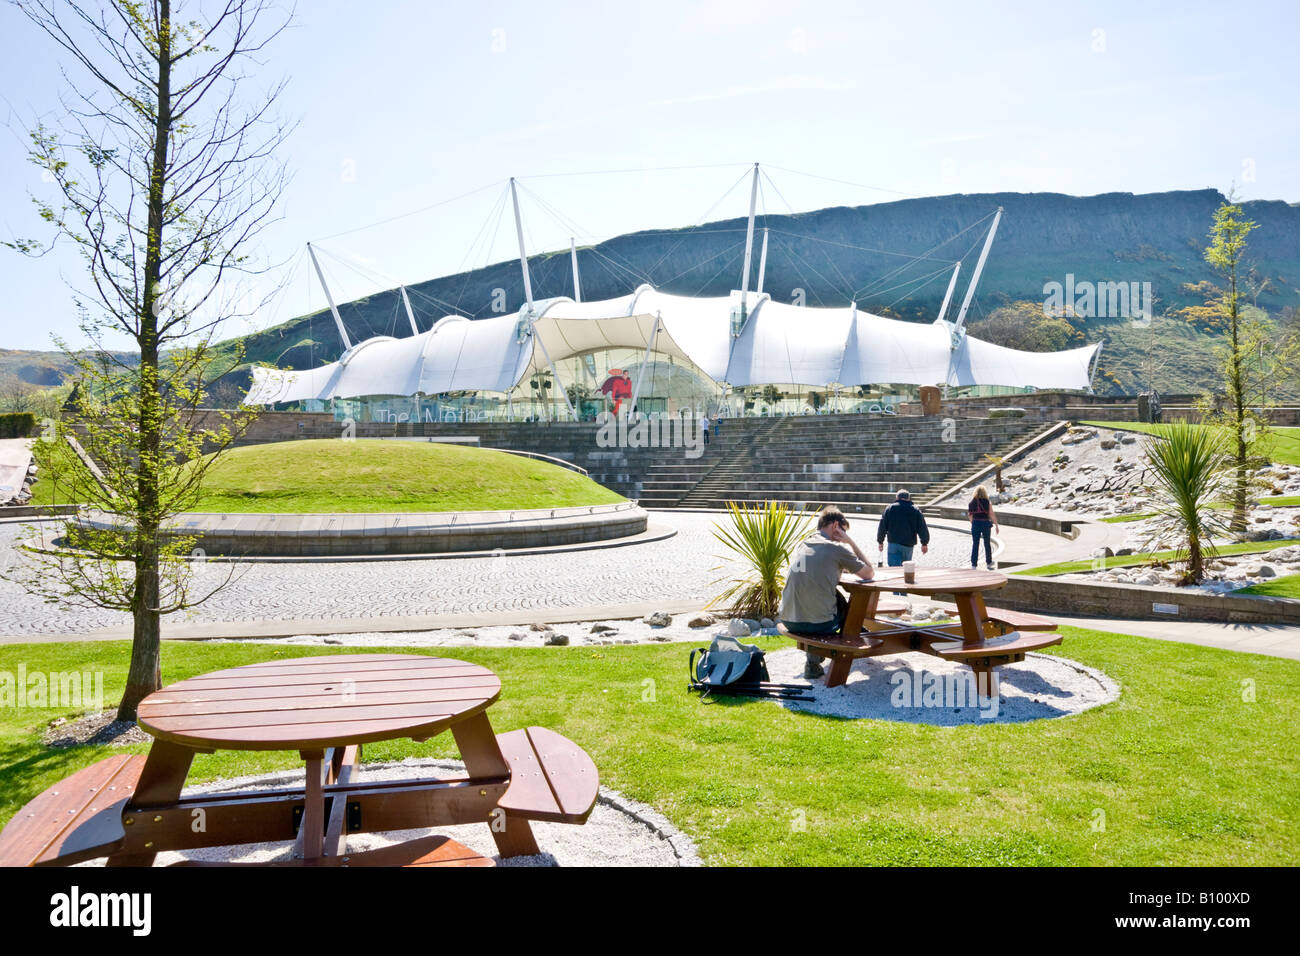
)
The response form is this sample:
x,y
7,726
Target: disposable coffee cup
x,y
909,572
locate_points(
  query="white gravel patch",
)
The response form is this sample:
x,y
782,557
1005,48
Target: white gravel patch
x,y
578,633
922,689
619,832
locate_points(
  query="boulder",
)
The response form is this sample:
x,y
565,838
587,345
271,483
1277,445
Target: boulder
x,y
556,639
701,620
603,629
1267,571
540,627
1108,443
1127,439
737,628
658,619
517,635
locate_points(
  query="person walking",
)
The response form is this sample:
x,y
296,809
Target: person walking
x,y
982,522
704,427
902,523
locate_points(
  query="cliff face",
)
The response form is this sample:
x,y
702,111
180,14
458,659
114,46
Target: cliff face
x,y
837,254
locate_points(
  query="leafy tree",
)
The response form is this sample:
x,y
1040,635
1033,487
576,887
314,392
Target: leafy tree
x,y
163,175
1249,362
1024,325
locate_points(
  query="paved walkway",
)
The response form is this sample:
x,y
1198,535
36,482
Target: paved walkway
x,y
677,575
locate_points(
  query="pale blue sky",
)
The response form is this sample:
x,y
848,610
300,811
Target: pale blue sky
x,y
403,105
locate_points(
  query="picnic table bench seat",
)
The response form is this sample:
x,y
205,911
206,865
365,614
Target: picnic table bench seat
x,y
995,650
78,818
1005,621
551,778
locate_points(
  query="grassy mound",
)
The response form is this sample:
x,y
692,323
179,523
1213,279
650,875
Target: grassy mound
x,y
330,475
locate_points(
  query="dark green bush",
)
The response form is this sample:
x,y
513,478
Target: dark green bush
x,y
17,425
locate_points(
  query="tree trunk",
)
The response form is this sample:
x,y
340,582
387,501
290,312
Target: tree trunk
x,y
1237,385
145,674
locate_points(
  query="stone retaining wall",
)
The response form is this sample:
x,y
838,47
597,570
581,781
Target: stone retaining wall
x,y
1047,595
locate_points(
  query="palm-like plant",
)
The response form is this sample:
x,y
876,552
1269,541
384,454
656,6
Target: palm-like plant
x,y
1190,468
762,537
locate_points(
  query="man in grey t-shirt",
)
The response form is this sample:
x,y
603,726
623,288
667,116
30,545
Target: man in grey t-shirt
x,y
811,602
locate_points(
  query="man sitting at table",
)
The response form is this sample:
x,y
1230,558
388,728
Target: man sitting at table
x,y
811,602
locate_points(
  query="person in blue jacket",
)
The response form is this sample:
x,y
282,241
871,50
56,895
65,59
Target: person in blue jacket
x,y
902,524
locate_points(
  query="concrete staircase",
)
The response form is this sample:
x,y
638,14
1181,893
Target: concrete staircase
x,y
858,462
855,462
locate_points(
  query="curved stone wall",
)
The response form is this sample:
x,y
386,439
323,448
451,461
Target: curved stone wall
x,y
330,535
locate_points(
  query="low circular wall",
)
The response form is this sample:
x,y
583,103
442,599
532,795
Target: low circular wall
x,y
329,535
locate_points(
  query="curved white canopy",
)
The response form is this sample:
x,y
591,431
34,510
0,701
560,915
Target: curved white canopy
x,y
778,344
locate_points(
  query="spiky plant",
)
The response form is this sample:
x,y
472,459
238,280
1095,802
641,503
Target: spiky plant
x,y
1189,468
762,537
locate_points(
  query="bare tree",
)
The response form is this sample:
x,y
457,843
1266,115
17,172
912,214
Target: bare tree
x,y
165,174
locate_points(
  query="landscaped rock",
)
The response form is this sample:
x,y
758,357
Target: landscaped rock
x,y
658,619
1127,439
517,636
1150,579
556,639
603,629
701,620
767,623
752,624
1267,571
1108,443
540,627
737,628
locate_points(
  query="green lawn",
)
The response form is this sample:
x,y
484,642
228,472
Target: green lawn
x,y
1185,771
1130,560
331,475
1287,586
1123,519
1284,441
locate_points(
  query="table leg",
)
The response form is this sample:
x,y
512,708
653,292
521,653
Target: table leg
x,y
482,756
970,608
311,831
161,780
862,607
841,665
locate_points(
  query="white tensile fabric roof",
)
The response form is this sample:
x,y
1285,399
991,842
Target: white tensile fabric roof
x,y
779,344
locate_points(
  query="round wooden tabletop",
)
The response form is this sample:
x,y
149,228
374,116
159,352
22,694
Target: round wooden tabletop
x,y
929,581
309,703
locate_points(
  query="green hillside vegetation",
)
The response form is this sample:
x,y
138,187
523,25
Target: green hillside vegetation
x,y
837,255
335,476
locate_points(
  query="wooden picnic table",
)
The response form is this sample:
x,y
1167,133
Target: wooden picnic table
x,y
969,641
325,708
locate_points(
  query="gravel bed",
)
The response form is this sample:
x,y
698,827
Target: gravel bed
x,y
921,689
619,832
